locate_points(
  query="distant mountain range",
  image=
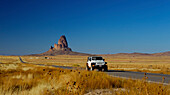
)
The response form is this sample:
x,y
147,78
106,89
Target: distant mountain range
x,y
140,54
162,54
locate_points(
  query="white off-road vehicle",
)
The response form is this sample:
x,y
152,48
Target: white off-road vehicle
x,y
96,62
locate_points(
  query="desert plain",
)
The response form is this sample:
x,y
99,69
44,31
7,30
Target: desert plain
x,y
22,76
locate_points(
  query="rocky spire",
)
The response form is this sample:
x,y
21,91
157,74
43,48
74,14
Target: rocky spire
x,y
62,44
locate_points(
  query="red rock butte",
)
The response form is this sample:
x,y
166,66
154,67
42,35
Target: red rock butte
x,y
60,49
62,44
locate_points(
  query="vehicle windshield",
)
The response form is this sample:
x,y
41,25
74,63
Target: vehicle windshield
x,y
97,58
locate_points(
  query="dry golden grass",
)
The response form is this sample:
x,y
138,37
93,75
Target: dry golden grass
x,y
9,59
151,64
29,79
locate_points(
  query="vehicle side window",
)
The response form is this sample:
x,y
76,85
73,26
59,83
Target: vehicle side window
x,y
90,59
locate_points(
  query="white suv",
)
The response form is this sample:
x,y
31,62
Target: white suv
x,y
96,62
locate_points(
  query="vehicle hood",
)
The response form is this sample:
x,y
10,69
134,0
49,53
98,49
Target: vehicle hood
x,y
97,61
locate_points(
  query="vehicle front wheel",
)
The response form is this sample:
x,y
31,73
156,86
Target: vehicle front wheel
x,y
106,68
87,68
91,69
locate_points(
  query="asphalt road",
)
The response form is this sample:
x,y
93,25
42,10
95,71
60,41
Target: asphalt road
x,y
21,60
151,77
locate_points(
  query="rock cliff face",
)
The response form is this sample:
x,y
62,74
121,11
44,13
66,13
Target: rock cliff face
x,y
62,44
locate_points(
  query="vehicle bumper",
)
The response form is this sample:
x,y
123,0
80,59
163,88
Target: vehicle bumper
x,y
99,66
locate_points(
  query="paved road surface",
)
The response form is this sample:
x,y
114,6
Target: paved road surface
x,y
139,75
21,60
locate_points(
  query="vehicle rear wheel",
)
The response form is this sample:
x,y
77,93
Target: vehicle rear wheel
x,y
105,68
99,69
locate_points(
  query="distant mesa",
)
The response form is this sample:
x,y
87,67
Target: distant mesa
x,y
140,54
60,49
162,54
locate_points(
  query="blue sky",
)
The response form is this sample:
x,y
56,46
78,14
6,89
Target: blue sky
x,y
90,26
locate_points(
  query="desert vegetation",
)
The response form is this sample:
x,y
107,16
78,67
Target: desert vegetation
x,y
29,79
